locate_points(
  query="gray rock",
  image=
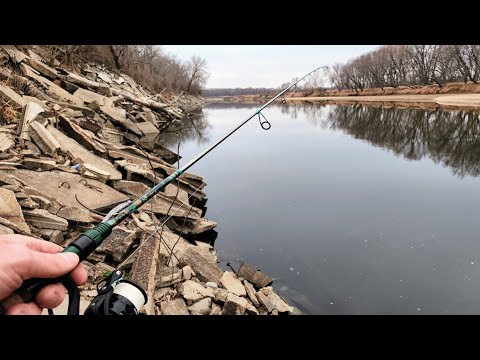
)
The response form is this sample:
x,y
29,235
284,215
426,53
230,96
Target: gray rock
x,y
220,294
204,269
272,301
256,277
211,284
34,164
216,309
192,291
251,293
234,305
251,310
201,307
174,307
231,282
118,243
188,273
105,91
44,220
75,214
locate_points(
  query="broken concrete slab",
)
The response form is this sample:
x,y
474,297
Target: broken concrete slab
x,y
77,79
160,203
138,173
149,131
174,307
205,269
234,305
118,243
45,141
11,211
251,293
118,116
201,307
98,173
34,164
80,135
193,292
104,77
89,96
51,88
172,191
42,68
256,277
12,98
27,203
44,106
75,150
74,213
43,219
144,270
231,282
195,227
65,186
6,142
272,301
16,55
31,110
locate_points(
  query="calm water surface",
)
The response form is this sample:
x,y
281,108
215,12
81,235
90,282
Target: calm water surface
x,y
352,209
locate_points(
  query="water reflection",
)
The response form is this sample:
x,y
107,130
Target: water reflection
x,y
191,128
451,138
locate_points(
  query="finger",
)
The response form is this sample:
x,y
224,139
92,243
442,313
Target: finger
x,y
43,265
15,238
50,296
24,309
79,275
42,245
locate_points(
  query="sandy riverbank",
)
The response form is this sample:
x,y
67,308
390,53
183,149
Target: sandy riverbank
x,y
449,100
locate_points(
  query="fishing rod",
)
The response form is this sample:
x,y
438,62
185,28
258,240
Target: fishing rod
x,y
87,242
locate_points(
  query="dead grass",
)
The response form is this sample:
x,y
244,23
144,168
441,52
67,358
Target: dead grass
x,y
7,113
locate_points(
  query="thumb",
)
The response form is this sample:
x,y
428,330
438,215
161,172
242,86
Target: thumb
x,y
45,265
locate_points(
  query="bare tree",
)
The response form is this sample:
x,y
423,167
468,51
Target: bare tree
x,y
197,73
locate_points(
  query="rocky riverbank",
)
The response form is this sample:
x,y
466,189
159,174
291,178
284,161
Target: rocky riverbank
x,y
74,146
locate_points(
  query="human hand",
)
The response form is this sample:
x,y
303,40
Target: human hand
x,y
23,258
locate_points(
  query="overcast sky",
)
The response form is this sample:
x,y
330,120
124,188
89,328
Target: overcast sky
x,y
269,66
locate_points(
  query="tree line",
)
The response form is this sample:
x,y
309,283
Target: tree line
x,y
408,65
148,65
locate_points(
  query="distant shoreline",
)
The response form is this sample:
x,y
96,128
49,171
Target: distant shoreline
x,y
449,96
442,100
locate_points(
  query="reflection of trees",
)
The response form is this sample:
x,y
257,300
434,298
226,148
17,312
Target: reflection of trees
x,y
452,138
315,112
192,127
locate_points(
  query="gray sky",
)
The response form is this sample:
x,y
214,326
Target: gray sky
x,y
269,66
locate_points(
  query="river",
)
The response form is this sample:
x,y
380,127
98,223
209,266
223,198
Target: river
x,y
351,209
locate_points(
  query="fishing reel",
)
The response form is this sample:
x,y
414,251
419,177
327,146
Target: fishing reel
x,y
117,296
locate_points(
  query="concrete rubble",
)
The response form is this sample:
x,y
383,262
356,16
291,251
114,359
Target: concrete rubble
x,y
75,145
